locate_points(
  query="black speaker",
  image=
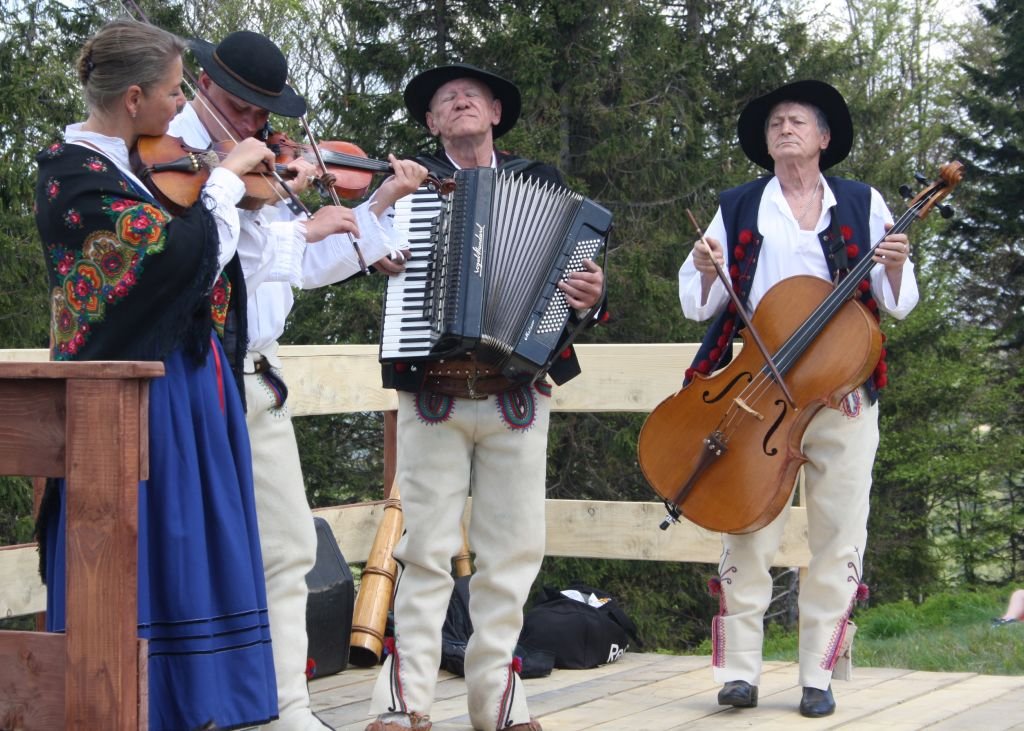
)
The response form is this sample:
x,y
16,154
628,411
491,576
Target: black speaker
x,y
329,607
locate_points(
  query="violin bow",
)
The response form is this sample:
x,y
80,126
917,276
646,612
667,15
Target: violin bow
x,y
744,315
315,144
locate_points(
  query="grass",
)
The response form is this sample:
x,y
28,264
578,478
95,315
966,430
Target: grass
x,y
950,632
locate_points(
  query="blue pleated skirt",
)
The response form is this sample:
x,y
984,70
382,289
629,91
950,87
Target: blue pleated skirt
x,y
202,599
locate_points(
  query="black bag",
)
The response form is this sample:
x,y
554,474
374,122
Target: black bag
x,y
329,606
458,627
579,635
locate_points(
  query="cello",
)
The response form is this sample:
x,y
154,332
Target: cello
x,y
724,450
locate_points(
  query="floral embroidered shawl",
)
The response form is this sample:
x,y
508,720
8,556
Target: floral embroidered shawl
x,y
127,282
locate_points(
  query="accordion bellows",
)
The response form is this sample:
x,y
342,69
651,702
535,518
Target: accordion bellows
x,y
489,258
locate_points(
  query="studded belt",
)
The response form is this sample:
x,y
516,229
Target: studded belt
x,y
465,378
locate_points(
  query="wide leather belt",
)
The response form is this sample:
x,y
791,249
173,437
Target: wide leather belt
x,y
465,378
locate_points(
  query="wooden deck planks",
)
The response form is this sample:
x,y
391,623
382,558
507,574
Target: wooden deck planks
x,y
650,692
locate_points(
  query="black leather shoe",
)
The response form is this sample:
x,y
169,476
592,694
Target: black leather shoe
x,y
738,693
817,703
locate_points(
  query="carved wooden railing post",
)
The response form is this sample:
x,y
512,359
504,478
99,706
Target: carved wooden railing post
x,y
86,422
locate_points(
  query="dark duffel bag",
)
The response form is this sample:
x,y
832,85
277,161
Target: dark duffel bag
x,y
578,634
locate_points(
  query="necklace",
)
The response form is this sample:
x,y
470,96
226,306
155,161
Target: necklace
x,y
811,199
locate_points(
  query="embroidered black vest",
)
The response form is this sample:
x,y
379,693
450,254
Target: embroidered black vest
x,y
844,243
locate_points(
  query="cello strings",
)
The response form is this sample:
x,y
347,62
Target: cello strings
x,y
760,385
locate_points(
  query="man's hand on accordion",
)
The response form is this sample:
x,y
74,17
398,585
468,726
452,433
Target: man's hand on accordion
x,y
584,289
393,263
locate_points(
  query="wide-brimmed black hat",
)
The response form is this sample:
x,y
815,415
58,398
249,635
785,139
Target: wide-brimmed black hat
x,y
825,97
251,67
421,90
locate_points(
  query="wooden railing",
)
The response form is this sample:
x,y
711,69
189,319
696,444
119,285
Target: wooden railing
x,y
85,422
346,379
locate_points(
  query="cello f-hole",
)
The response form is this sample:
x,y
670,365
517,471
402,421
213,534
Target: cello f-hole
x,y
783,408
709,399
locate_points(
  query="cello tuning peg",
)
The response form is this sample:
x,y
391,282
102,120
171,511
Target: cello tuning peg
x,y
920,178
945,211
906,192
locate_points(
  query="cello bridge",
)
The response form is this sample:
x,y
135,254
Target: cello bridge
x,y
746,407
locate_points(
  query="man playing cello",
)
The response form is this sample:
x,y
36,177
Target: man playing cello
x,y
797,222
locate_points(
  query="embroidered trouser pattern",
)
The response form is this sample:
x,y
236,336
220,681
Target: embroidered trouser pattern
x,y
470,446
288,540
840,445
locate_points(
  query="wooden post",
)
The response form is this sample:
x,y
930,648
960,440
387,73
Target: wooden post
x,y
390,450
88,423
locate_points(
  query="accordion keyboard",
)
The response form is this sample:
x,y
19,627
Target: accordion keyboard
x,y
406,327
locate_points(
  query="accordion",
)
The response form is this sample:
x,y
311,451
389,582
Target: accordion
x,y
486,262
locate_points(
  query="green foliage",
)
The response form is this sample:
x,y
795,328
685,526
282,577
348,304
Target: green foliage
x,y
357,439
991,142
938,474
38,97
949,632
16,522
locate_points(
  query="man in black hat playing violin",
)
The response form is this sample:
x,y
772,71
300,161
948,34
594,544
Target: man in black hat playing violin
x,y
462,425
794,222
243,81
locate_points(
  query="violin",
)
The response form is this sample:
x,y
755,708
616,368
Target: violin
x,y
349,169
724,451
176,172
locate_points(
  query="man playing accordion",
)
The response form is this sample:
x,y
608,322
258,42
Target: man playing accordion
x,y
463,426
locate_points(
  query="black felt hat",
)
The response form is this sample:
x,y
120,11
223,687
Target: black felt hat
x,y
751,131
251,67
421,90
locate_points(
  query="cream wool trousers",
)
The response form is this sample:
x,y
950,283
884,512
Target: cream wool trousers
x,y
288,540
460,447
840,445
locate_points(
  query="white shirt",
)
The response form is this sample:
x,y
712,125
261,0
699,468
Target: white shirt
x,y
787,251
223,188
275,257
